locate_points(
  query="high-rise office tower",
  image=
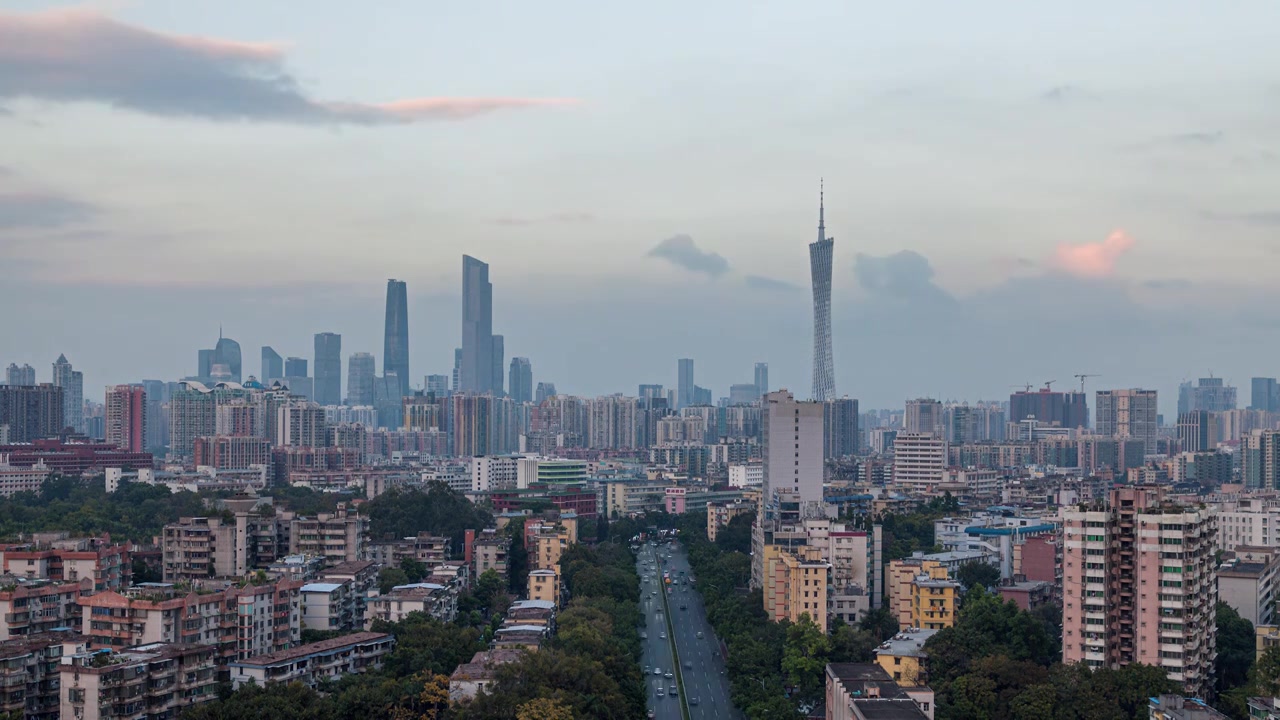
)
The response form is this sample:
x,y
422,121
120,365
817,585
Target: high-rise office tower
x,y
1260,460
295,367
457,370
651,391
31,411
227,352
840,427
1207,394
820,257
476,373
25,375
361,369
328,368
204,363
395,344
1138,575
924,415
72,383
437,385
744,393
126,417
1129,414
1197,431
1048,407
157,394
762,379
498,384
793,447
301,424
520,386
684,383
544,391
1264,395
272,365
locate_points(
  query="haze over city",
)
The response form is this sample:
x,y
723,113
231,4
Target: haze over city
x,y
1017,193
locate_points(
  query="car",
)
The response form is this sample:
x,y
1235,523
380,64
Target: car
x,y
651,716
693,700
667,675
654,593
646,669
662,635
699,634
644,636
688,664
661,692
657,671
672,691
683,606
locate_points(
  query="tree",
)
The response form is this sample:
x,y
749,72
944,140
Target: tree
x,y
436,509
804,658
390,577
977,573
881,623
415,570
736,535
517,559
1267,672
1236,649
543,709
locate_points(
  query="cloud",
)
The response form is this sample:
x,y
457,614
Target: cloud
x,y
1062,93
1266,218
760,282
905,275
1168,284
558,218
683,251
41,210
82,56
1093,260
1197,138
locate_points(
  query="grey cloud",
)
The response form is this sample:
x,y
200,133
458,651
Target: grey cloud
x,y
1197,138
760,282
1062,93
81,56
41,210
561,218
905,276
1266,218
683,251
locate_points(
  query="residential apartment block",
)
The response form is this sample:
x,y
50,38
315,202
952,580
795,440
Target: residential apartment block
x,y
310,663
149,681
1138,585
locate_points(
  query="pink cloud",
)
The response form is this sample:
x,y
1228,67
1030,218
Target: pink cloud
x,y
83,56
1093,260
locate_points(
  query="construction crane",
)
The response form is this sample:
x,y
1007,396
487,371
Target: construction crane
x,y
1025,386
1082,376
1048,384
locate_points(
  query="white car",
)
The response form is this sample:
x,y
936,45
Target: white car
x,y
662,635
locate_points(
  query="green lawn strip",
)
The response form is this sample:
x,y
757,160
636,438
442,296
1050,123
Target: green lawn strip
x,y
675,655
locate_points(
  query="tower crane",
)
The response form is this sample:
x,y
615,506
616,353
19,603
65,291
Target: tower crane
x,y
1082,376
1048,384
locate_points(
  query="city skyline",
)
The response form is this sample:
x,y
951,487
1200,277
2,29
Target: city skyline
x,y
964,229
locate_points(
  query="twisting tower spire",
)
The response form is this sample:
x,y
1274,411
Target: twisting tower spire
x,y
820,253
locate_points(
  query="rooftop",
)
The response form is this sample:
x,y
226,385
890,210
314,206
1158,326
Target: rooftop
x,y
908,643
324,647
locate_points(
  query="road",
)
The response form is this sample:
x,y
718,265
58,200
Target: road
x,y
701,668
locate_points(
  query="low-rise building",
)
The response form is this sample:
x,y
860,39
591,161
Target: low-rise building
x,y
487,550
431,599
156,680
468,679
362,576
57,556
719,515
1026,594
338,536
1177,707
544,585
30,607
933,600
857,691
310,663
1247,582
29,673
904,658
796,583
328,606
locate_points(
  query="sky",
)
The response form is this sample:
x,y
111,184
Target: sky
x,y
1018,192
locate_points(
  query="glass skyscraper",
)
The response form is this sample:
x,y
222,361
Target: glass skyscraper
x,y
395,345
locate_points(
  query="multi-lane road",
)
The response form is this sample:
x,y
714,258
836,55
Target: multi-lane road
x,y
700,666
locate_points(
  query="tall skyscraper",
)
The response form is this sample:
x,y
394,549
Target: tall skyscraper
x,y
924,415
227,352
328,359
793,447
361,369
544,391
457,370
437,385
157,393
820,257
295,367
684,383
31,411
1197,431
272,365
840,427
1264,395
520,385
126,417
499,358
204,363
72,383
1260,460
1049,407
1132,599
395,345
1209,394
25,375
476,373
1128,414
651,391
762,379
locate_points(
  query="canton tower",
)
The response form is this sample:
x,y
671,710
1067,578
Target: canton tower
x,y
824,369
